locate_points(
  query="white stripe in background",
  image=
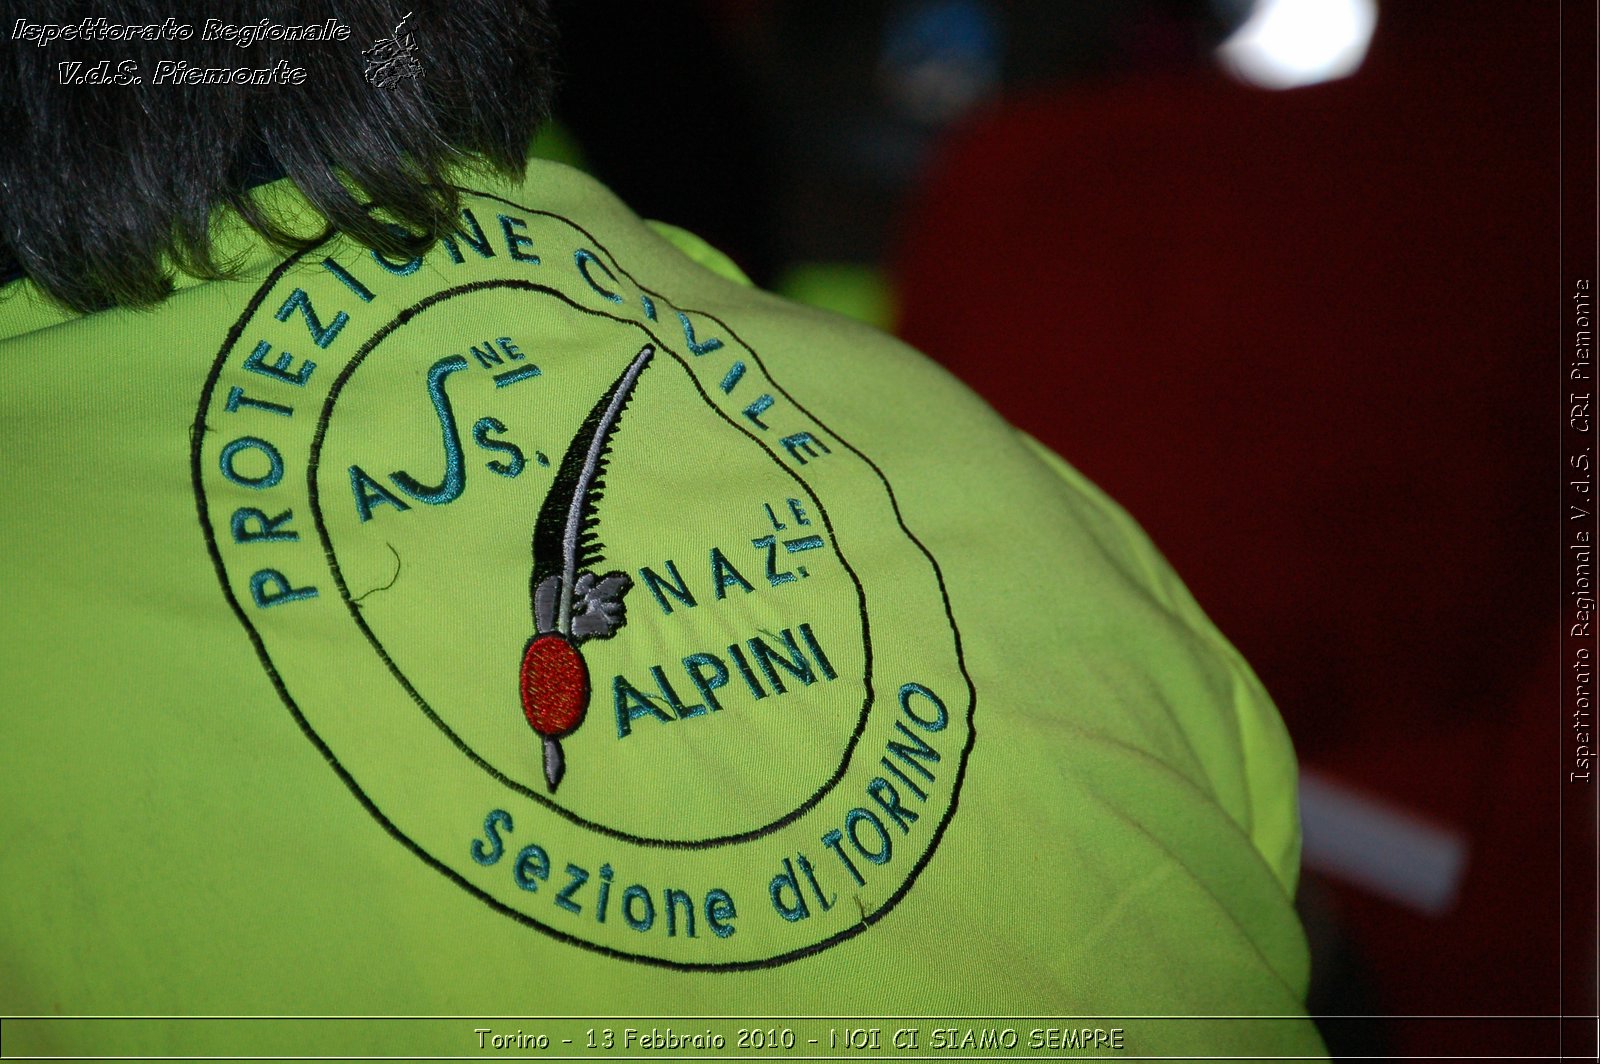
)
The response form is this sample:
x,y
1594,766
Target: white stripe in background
x,y
1372,844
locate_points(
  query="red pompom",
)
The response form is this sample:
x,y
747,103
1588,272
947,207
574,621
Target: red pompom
x,y
555,685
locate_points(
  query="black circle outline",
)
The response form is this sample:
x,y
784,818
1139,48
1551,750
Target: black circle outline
x,y
405,317
197,435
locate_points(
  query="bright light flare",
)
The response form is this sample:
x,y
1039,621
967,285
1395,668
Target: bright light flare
x,y
1286,44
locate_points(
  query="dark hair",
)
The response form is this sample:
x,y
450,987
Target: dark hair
x,y
106,189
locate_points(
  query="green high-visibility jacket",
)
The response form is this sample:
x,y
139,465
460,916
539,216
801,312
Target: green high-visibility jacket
x,y
556,625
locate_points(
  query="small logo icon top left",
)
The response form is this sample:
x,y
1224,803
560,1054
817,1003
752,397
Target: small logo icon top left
x,y
393,59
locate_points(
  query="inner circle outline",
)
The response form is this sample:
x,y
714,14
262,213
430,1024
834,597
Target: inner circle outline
x,y
324,418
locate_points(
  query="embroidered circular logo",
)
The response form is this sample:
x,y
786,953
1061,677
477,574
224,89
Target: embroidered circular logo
x,y
585,608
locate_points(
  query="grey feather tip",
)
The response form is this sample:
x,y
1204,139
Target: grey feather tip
x,y
555,765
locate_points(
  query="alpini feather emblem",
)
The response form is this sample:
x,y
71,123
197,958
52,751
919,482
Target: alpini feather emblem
x,y
570,602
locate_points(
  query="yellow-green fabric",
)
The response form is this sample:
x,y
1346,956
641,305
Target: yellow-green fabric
x,y
266,764
699,251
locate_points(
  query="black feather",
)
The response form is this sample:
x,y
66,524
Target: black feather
x,y
567,493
